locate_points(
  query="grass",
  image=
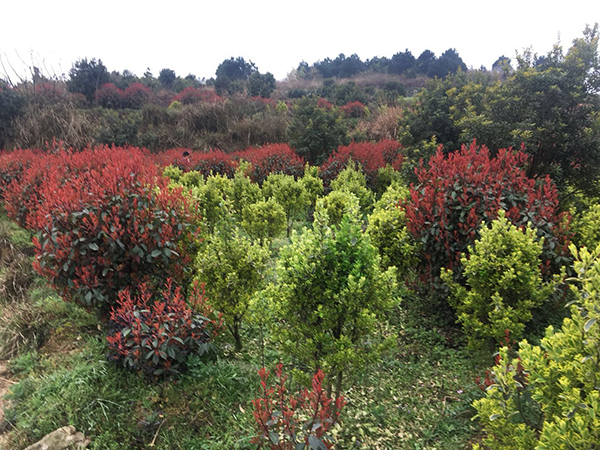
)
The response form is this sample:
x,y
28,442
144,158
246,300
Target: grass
x,y
417,396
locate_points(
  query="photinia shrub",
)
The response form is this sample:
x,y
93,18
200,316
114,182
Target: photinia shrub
x,y
156,333
300,422
191,95
136,95
109,96
12,166
370,156
111,227
273,158
354,110
461,190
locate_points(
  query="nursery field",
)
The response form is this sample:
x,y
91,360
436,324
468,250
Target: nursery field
x,y
212,300
382,254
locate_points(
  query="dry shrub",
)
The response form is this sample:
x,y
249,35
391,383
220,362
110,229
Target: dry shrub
x,y
384,125
42,123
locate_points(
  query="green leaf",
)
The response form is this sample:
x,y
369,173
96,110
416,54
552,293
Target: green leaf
x,y
495,416
93,246
156,253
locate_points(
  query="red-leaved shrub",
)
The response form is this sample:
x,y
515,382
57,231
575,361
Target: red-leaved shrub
x,y
324,104
353,110
191,95
287,422
272,158
136,95
371,157
460,190
109,96
213,162
156,333
106,223
12,166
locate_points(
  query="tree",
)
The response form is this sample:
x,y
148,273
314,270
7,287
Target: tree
x,y
232,75
502,65
425,61
449,62
261,85
85,77
315,132
401,62
167,77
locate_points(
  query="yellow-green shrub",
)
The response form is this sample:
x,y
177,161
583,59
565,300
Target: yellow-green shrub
x,y
351,179
387,232
263,220
336,204
586,226
233,269
548,397
503,283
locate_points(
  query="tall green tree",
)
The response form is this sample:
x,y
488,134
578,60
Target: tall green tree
x,y
85,77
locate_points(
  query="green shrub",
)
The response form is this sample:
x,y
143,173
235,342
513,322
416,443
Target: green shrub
x,y
336,204
290,194
388,233
244,191
172,172
330,297
264,220
192,179
548,396
312,183
233,269
503,283
351,179
214,199
586,226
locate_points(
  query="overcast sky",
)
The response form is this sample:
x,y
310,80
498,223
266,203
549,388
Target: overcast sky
x,y
195,36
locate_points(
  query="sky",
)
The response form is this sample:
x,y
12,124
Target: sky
x,y
196,36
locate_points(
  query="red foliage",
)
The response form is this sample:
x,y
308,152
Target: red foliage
x,y
12,166
104,222
109,96
49,93
207,163
324,104
136,95
156,335
371,157
265,101
460,190
191,95
272,158
277,413
353,109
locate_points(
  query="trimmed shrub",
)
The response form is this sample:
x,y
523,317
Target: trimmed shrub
x,y
354,110
388,233
329,297
12,166
547,396
503,283
233,268
108,228
336,204
290,194
352,180
264,220
156,333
